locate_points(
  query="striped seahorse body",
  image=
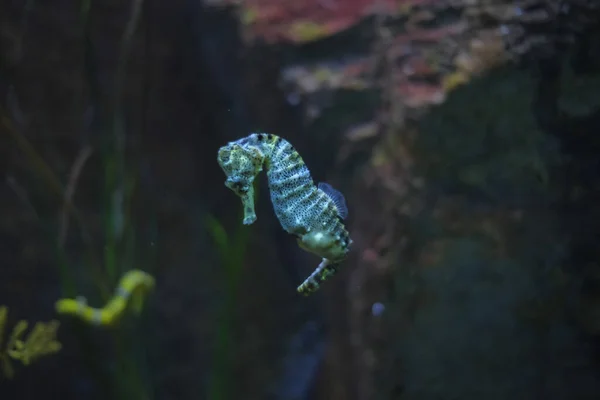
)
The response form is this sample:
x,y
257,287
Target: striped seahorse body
x,y
314,214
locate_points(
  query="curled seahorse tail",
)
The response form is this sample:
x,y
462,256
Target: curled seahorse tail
x,y
324,271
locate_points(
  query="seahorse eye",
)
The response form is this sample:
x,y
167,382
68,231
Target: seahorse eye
x,y
232,182
235,184
224,155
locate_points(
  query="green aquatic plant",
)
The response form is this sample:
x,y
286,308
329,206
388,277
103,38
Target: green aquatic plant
x,y
125,376
41,341
231,250
118,253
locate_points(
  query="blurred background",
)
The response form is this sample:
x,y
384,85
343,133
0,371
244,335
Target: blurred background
x,y
462,133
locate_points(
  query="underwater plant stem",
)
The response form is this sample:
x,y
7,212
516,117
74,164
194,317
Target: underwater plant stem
x,y
232,253
44,170
120,238
115,164
80,161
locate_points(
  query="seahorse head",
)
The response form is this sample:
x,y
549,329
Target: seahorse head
x,y
241,163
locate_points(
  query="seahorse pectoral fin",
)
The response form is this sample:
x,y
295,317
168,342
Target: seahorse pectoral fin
x,y
325,270
337,197
248,204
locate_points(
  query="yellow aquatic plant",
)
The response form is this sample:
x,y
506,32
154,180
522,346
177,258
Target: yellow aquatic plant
x,y
41,341
307,31
248,15
132,290
454,80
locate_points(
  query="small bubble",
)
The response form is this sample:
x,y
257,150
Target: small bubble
x,y
293,99
377,309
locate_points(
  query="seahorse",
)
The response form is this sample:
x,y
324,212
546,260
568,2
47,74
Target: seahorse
x,y
315,214
133,288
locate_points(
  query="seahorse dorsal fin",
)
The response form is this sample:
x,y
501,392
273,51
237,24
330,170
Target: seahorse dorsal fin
x,y
337,198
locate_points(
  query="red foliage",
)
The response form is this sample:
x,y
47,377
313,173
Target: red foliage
x,y
277,20
414,51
